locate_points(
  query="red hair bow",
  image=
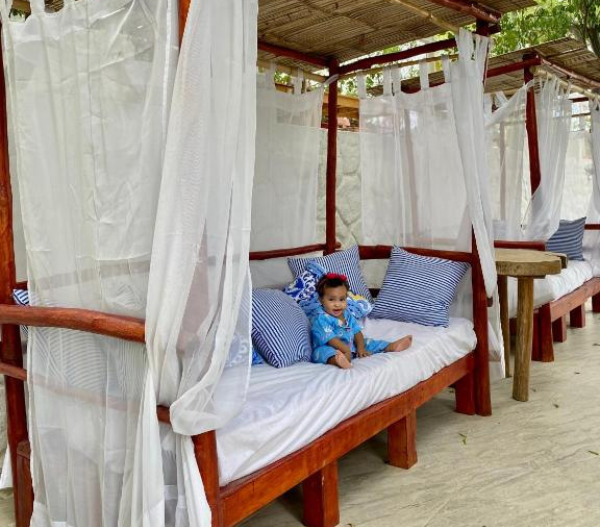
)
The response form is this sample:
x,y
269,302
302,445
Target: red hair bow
x,y
342,277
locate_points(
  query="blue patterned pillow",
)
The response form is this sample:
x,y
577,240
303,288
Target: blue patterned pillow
x,y
256,358
418,289
344,262
280,329
21,297
304,291
568,239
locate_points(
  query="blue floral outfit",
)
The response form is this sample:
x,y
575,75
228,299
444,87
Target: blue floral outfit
x,y
326,327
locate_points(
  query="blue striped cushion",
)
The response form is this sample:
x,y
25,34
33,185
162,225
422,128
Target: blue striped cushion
x,y
343,262
280,329
21,298
568,239
418,289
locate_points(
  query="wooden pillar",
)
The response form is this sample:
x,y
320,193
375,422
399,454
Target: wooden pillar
x,y
532,132
205,449
330,180
320,498
483,401
184,8
402,441
10,350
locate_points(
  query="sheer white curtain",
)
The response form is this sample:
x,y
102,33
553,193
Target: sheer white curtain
x,y
579,166
554,110
288,146
89,90
424,168
198,317
506,143
591,239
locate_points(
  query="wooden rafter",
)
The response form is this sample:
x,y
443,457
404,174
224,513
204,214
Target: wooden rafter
x,y
479,11
444,24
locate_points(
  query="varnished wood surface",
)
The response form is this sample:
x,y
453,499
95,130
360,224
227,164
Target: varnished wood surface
x,y
523,262
247,495
127,328
505,321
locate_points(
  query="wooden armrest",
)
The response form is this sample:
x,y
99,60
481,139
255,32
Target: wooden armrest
x,y
535,245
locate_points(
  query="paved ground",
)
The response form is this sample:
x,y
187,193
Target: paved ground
x,y
534,464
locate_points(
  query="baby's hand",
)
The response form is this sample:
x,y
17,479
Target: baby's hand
x,y
362,353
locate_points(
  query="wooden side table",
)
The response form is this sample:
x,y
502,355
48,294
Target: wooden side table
x,y
525,265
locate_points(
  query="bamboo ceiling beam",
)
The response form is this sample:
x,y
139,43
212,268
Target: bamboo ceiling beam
x,y
407,63
511,68
479,11
427,15
571,74
282,68
280,51
369,62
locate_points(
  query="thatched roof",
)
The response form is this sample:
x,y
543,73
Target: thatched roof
x,y
565,54
347,29
556,57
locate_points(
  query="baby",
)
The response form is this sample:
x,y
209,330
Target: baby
x,y
336,334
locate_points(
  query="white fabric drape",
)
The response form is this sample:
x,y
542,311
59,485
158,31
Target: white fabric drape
x,y
578,186
198,316
424,168
554,110
89,90
591,239
506,143
288,147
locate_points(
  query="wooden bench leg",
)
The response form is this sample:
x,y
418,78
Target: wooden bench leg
x,y
24,486
545,352
464,392
577,317
320,497
402,442
596,303
536,349
559,329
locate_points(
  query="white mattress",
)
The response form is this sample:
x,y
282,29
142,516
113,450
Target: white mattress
x,y
288,408
554,286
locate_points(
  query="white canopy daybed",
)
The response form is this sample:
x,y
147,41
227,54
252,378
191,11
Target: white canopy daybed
x,y
151,158
550,152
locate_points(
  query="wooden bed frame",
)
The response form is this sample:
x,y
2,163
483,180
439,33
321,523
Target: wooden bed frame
x,y
314,465
550,320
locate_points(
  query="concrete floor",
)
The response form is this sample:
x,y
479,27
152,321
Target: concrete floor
x,y
534,464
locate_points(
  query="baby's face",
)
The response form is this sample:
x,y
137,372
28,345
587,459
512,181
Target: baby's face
x,y
335,300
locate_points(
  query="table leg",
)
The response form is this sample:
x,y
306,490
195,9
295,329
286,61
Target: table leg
x,y
504,321
524,338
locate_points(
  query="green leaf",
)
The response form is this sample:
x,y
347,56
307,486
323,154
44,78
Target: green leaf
x,y
593,452
464,438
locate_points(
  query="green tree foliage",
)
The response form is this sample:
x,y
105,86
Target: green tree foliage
x,y
550,20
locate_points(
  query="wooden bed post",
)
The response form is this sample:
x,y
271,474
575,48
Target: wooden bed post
x,y
483,402
330,180
10,350
532,133
205,449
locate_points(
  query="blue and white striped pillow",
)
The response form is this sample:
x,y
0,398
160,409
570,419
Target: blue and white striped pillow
x,y
21,297
280,329
568,239
418,289
343,262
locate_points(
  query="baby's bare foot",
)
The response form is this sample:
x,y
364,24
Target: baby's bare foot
x,y
340,360
400,344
